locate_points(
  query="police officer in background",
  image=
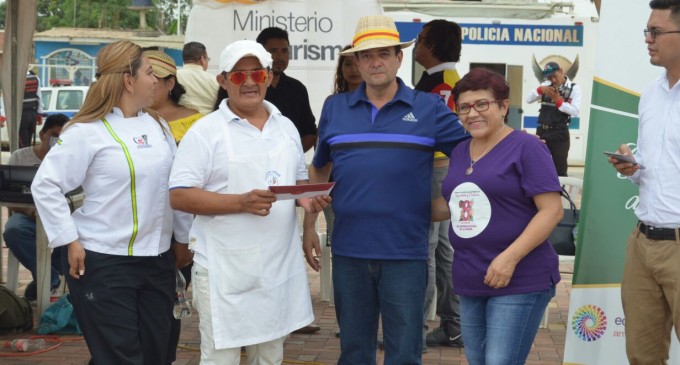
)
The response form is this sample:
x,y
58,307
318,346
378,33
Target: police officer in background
x,y
31,110
560,100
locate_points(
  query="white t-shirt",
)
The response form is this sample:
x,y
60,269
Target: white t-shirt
x,y
202,158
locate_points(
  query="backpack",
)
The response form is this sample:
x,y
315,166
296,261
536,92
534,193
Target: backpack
x,y
16,314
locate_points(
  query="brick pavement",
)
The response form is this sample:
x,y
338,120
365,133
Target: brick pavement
x,y
322,347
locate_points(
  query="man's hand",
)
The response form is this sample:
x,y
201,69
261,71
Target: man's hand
x,y
311,247
551,92
624,168
315,204
183,256
257,202
76,259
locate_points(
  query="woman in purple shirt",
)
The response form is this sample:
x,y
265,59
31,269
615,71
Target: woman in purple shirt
x,y
502,196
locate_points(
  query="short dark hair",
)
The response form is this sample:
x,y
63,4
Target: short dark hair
x,y
193,51
54,120
271,33
177,91
445,39
482,79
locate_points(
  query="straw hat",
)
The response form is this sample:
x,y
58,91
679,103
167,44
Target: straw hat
x,y
161,64
375,31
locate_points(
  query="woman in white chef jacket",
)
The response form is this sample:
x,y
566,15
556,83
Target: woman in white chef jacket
x,y
121,270
249,277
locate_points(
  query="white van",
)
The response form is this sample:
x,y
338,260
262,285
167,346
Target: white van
x,y
66,100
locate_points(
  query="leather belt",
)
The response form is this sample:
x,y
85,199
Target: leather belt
x,y
658,234
548,127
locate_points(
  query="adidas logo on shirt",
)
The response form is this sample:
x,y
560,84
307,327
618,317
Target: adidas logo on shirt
x,y
409,118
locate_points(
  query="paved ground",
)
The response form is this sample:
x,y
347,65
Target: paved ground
x,y
320,348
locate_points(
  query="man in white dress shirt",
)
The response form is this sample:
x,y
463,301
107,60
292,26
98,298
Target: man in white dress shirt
x,y
649,290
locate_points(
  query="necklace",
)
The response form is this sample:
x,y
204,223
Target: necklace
x,y
470,169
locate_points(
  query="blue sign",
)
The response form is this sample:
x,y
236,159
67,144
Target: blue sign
x,y
508,34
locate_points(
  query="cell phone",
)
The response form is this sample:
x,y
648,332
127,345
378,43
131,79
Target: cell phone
x,y
623,158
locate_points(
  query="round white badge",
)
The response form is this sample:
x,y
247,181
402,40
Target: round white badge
x,y
470,210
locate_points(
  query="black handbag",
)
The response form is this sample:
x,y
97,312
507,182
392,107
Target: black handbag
x,y
562,237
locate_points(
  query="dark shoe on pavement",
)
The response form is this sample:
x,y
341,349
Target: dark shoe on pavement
x,y
308,329
31,292
448,335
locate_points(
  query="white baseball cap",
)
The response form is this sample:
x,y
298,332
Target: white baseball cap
x,y
240,49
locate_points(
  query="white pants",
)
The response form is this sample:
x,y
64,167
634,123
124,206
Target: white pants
x,y
266,353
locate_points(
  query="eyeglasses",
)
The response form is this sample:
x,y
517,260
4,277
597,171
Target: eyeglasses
x,y
655,32
479,105
207,58
239,77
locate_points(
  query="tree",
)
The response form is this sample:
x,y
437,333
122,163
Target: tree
x,y
105,14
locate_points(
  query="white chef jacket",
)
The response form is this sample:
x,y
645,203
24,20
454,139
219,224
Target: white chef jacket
x,y
123,165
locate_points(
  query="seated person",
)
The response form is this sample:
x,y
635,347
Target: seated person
x,y
19,233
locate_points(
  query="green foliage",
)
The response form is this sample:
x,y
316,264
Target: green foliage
x,y
113,14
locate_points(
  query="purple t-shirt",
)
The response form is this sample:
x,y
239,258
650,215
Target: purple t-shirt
x,y
492,206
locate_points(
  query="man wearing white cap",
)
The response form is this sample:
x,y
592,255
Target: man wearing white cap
x,y
250,283
379,142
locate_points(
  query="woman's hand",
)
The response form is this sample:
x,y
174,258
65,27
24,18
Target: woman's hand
x,y
499,273
76,259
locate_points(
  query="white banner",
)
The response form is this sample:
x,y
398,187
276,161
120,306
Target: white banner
x,y
317,30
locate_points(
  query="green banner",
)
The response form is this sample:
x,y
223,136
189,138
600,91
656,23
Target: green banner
x,y
608,199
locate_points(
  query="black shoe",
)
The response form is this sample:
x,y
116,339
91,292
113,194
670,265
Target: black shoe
x,y
448,335
31,292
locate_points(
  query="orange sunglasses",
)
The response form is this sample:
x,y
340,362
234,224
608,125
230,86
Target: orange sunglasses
x,y
239,77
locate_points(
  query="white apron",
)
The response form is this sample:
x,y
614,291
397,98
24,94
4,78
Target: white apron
x,y
258,279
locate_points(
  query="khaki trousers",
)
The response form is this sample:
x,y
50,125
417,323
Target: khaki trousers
x,y
650,292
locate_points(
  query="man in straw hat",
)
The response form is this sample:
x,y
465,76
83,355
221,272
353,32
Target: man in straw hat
x,y
379,141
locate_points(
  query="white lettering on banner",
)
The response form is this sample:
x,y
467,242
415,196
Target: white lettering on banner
x,y
633,202
546,35
253,21
486,34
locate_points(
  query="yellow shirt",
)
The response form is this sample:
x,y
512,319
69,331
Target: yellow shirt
x,y
179,127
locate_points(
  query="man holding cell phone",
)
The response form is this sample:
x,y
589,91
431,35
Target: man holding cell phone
x,y
650,291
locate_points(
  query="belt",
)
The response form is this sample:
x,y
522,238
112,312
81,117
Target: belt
x,y
548,127
658,234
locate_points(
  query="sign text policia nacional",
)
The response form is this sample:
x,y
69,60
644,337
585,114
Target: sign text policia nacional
x,y
519,34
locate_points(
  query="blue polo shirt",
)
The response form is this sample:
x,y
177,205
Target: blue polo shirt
x,y
382,168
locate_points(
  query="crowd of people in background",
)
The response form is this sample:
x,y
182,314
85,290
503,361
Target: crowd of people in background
x,y
176,164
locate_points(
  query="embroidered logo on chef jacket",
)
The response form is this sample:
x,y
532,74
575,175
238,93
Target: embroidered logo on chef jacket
x,y
142,141
272,178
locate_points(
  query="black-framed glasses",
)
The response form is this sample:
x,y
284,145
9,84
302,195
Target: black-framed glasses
x,y
481,105
655,32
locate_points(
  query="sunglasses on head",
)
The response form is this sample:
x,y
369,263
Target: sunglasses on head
x,y
239,77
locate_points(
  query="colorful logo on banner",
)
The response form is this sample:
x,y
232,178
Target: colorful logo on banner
x,y
589,323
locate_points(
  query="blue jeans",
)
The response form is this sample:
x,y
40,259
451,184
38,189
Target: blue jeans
x,y
19,234
500,330
366,289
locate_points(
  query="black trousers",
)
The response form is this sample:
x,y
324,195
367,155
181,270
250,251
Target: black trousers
x,y
124,307
29,119
558,142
